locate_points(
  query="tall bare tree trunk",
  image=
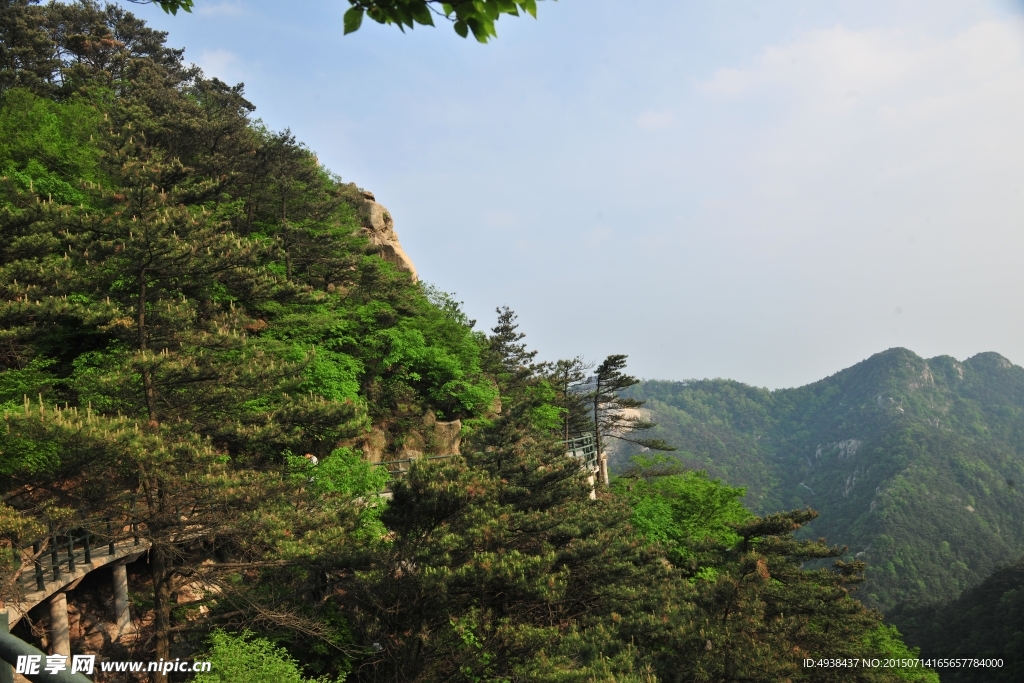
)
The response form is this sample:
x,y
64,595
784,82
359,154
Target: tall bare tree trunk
x,y
602,477
160,570
147,377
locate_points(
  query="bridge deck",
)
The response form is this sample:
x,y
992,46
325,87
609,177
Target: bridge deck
x,y
28,587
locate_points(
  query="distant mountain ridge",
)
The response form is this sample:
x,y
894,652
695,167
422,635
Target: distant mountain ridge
x,y
915,464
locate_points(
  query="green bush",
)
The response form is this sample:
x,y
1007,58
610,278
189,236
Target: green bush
x,y
243,658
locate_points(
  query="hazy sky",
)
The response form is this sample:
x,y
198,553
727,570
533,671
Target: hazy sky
x,y
764,191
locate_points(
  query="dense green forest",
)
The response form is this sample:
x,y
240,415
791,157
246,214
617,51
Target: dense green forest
x,y
986,622
196,335
915,464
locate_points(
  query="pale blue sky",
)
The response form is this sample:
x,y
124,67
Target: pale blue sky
x,y
765,191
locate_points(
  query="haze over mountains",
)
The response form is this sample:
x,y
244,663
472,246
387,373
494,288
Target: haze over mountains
x,y
915,464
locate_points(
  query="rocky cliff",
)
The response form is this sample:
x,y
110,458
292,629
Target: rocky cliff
x,y
379,228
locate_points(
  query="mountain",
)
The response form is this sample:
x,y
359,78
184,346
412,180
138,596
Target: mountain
x,y
914,464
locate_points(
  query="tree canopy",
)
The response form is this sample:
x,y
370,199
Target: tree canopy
x,y
466,16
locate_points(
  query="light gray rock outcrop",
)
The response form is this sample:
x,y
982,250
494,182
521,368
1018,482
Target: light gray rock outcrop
x,y
379,228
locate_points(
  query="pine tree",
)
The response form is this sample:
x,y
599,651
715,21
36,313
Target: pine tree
x,y
615,416
185,307
507,357
498,566
156,285
569,379
27,57
758,614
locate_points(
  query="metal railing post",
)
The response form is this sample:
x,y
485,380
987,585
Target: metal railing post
x,y
40,579
54,558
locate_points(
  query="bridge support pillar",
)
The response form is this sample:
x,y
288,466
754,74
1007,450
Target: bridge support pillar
x,y
122,610
60,631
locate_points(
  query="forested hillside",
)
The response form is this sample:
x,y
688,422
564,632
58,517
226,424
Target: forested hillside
x,y
199,345
915,464
986,622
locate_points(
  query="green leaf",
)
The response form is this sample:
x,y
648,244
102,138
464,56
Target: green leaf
x,y
353,20
482,29
422,15
461,28
172,6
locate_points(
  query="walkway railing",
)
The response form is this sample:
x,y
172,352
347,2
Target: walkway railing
x,y
76,546
55,563
584,448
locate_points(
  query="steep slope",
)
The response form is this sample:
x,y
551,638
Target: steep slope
x,y
913,463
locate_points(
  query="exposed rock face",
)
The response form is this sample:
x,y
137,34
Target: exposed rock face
x,y
433,438
448,437
373,445
379,227
444,438
413,446
430,437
